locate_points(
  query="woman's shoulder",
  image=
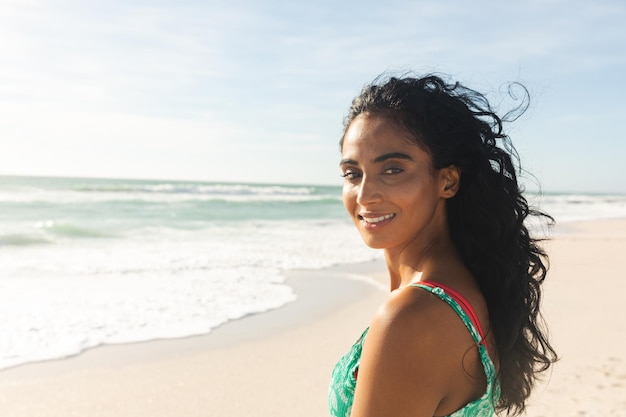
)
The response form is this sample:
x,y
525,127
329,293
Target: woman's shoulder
x,y
413,306
419,323
416,343
423,342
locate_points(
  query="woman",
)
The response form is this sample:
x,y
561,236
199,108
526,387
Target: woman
x,y
429,178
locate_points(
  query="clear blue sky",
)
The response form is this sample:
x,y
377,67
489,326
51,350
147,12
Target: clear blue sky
x,y
252,90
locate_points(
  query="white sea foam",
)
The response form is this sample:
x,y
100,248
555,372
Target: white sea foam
x,y
566,208
163,192
161,283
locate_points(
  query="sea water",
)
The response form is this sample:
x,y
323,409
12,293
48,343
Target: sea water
x,y
86,262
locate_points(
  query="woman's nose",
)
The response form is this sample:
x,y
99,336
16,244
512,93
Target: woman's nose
x,y
369,191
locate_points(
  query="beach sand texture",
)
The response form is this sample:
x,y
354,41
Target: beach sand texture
x,y
278,363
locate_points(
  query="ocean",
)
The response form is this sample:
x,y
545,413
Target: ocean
x,y
87,262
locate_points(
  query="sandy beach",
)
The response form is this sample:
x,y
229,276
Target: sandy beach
x,y
278,363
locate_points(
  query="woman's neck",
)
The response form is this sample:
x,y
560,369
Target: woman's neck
x,y
412,264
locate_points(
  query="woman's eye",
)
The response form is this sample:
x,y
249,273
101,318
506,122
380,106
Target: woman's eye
x,y
392,171
350,175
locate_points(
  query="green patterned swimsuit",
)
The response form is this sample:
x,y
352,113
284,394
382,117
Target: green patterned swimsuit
x,y
343,381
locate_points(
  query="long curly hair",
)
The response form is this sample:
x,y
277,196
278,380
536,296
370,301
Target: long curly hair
x,y
457,126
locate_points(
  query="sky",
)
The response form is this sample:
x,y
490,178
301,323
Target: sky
x,y
256,91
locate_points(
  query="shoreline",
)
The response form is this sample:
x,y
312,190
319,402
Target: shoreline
x,y
278,363
319,293
239,371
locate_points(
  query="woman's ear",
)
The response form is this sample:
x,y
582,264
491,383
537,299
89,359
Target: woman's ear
x,y
450,180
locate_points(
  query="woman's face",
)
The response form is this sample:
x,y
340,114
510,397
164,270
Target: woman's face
x,y
391,190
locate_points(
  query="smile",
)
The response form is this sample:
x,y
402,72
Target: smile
x,y
375,220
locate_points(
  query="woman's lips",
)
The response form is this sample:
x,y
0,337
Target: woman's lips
x,y
375,221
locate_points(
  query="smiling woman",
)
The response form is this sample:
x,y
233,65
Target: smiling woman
x,y
387,177
429,177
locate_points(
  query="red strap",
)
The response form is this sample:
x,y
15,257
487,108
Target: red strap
x,y
465,305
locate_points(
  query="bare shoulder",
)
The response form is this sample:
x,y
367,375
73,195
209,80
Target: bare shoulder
x,y
416,343
413,316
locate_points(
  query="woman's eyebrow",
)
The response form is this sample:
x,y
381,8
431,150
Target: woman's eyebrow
x,y
378,159
348,162
392,155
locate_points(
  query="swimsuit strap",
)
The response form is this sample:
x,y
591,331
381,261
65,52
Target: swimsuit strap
x,y
461,303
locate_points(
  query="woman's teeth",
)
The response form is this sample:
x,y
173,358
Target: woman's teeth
x,y
377,219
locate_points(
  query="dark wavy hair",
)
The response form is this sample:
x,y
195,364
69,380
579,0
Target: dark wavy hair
x,y
457,126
